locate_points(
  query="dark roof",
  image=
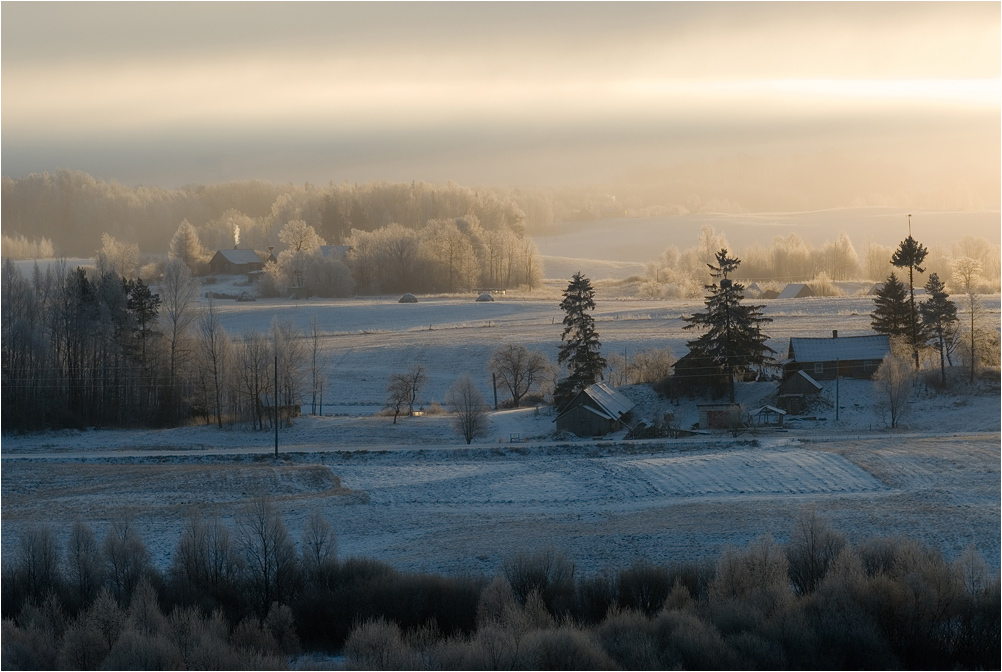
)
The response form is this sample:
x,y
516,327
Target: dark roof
x,y
240,256
845,348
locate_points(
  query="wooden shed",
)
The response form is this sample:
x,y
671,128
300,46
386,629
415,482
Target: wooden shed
x,y
718,416
594,411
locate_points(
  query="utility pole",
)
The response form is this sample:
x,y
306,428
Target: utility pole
x,y
276,398
836,389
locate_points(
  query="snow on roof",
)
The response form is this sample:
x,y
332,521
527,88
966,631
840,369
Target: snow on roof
x,y
845,348
609,400
795,290
240,256
768,409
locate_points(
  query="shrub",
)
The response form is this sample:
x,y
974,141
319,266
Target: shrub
x,y
549,573
566,648
628,638
813,547
378,645
644,587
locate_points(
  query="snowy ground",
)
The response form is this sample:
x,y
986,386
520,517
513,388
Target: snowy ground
x,y
414,495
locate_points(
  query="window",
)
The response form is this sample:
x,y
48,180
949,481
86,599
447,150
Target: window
x,y
819,367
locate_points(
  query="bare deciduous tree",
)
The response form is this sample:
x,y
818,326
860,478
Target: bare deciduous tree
x,y
268,551
518,369
893,380
214,348
466,401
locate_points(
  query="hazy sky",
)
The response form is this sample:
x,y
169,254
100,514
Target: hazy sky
x,y
514,93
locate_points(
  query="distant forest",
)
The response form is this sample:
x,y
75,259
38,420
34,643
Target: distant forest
x,y
72,210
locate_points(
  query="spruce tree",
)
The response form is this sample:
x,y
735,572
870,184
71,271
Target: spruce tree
x,y
910,254
581,348
732,338
939,317
890,310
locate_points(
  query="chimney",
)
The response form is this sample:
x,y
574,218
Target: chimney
x,y
834,333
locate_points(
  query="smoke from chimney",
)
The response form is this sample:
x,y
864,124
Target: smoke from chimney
x,y
236,236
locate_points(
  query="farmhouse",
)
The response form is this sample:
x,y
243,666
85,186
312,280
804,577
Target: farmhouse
x,y
848,357
596,410
231,262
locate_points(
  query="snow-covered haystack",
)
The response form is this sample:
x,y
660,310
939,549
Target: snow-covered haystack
x,y
407,298
486,296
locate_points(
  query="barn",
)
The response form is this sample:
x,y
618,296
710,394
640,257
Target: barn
x,y
232,262
594,411
826,358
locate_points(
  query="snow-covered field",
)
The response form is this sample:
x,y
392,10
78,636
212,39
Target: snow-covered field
x,y
414,495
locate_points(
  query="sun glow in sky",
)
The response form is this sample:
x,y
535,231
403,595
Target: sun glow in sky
x,y
173,93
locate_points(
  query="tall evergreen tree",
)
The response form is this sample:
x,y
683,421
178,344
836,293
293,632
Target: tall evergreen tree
x,y
581,348
910,254
732,339
939,317
890,310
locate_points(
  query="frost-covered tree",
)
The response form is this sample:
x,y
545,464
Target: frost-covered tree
x,y
939,317
185,245
732,337
581,349
893,381
118,257
967,278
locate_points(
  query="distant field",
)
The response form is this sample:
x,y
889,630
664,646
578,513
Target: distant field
x,y
640,240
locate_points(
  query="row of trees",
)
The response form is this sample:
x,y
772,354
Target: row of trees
x,y
74,209
244,597
78,352
934,323
683,273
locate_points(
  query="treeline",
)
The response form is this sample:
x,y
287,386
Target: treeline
x,y
681,273
80,351
244,597
74,209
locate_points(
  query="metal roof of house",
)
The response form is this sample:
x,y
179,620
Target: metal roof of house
x,y
609,400
240,256
844,348
608,403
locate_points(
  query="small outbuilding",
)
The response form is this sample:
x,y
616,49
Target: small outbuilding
x,y
795,390
594,411
235,261
718,416
407,298
769,294
767,416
